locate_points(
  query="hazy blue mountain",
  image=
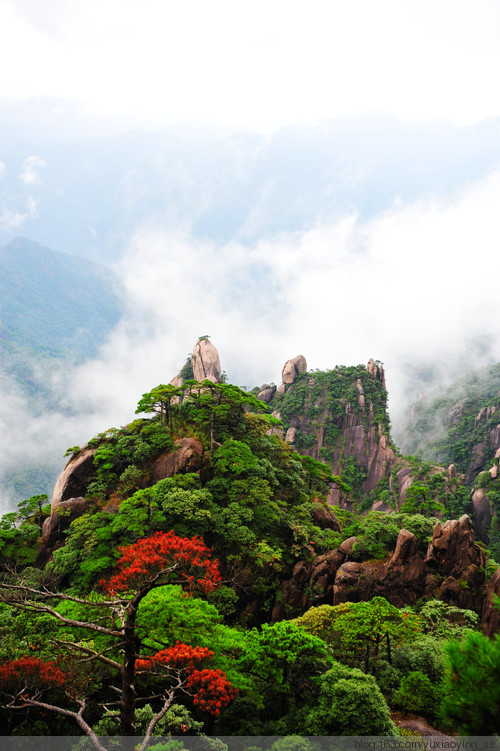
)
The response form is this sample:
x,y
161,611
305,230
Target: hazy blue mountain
x,y
89,194
54,303
55,311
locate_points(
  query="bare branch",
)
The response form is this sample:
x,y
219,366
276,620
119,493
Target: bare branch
x,y
93,655
169,698
48,594
25,701
39,608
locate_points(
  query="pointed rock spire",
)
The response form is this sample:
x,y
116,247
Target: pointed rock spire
x,y
206,363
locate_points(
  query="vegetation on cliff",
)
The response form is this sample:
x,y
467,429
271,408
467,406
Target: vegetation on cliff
x,y
179,543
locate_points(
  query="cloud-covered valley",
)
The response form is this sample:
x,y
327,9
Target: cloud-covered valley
x,y
414,286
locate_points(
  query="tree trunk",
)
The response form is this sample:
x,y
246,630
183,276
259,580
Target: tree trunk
x,y
389,654
127,704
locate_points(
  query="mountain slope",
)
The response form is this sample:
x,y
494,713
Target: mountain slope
x,y
56,309
54,303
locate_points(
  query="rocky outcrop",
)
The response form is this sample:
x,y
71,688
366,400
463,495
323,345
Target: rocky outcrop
x,y
205,361
266,392
453,549
337,422
482,514
293,368
186,457
376,370
75,477
452,570
69,502
324,518
68,498
61,517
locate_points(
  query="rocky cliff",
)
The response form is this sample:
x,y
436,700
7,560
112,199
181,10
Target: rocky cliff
x,y
340,418
451,569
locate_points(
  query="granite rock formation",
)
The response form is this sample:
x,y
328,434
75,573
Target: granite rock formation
x,y
452,570
205,361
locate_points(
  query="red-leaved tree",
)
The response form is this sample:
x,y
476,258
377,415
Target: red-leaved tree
x,y
164,558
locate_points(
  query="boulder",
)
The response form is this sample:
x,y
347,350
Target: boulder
x,y
185,458
481,511
206,363
347,546
61,516
324,518
266,393
453,549
293,368
322,577
75,477
355,582
454,554
403,576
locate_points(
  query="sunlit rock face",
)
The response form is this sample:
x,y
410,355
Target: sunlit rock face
x,y
206,363
68,498
293,368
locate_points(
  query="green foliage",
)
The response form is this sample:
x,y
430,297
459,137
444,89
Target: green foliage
x,y
417,694
472,685
446,621
87,554
234,457
160,400
20,531
185,511
321,621
419,499
353,475
367,630
121,455
168,614
349,703
284,652
379,532
424,653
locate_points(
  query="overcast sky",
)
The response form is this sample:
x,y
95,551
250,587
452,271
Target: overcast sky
x,y
258,64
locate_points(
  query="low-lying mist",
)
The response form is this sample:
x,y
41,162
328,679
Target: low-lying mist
x,y
416,287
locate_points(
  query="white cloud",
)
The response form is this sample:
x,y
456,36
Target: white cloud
x,y
32,206
3,170
10,219
31,165
415,284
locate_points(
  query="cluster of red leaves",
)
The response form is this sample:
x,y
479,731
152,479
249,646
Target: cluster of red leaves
x,y
33,672
189,559
212,690
179,656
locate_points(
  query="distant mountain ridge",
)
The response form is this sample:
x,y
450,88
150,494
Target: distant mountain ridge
x,y
55,309
54,302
